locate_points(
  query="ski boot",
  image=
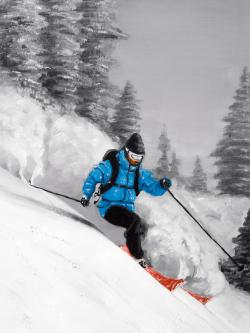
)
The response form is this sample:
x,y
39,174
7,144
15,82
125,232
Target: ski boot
x,y
142,262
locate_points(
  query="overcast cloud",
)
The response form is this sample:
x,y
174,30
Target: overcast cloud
x,y
185,59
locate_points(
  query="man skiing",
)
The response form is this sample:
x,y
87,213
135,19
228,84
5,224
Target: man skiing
x,y
122,178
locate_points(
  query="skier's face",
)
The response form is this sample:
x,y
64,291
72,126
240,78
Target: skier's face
x,y
133,158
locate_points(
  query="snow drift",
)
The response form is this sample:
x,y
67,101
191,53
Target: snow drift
x,y
45,146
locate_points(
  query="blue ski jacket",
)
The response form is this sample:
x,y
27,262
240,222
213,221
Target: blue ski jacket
x,y
120,196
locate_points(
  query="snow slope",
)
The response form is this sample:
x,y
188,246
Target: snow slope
x,y
58,274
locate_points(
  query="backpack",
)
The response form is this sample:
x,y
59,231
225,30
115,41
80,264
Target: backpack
x,y
111,156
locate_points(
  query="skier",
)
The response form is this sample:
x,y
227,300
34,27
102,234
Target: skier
x,y
122,178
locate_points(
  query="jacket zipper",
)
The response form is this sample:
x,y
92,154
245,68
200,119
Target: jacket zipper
x,y
127,183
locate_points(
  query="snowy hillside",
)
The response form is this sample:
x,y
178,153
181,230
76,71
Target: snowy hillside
x,y
58,274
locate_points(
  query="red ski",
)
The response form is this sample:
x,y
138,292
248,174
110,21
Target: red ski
x,y
200,298
168,282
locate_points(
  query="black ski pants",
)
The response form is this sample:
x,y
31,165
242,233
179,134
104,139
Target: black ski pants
x,y
122,217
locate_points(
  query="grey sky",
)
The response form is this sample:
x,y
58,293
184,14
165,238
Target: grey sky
x,y
185,59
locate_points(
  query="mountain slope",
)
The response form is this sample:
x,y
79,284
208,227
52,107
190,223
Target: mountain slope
x,y
60,275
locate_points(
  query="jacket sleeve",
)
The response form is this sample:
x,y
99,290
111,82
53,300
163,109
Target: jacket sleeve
x,y
99,174
149,184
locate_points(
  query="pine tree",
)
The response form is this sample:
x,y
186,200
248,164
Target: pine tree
x,y
97,36
242,256
233,151
8,31
60,73
62,48
20,25
163,167
174,168
126,119
198,181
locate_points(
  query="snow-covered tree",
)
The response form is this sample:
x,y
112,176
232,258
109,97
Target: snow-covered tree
x,y
163,165
8,35
60,56
233,150
97,36
198,181
242,256
126,119
62,48
20,25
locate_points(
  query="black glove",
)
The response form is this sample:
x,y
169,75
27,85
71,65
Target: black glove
x,y
166,183
84,201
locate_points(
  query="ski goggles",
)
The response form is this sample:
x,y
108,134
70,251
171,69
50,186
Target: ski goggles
x,y
135,157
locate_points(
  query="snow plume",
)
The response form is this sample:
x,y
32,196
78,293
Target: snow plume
x,y
72,147
22,128
178,247
53,150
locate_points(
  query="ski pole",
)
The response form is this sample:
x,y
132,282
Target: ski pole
x,y
240,267
59,194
